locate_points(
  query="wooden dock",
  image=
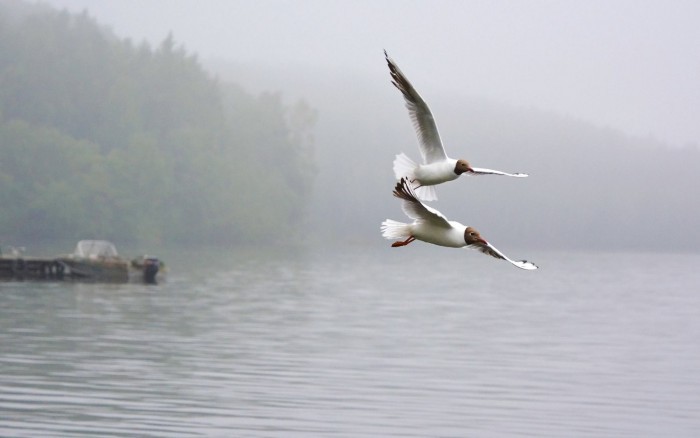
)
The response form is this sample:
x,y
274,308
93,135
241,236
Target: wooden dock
x,y
31,268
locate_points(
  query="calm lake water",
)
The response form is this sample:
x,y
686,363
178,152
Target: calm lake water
x,y
360,342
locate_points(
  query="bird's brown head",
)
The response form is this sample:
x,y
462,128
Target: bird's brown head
x,y
463,166
472,237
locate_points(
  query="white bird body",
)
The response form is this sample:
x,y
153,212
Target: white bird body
x,y
437,167
452,236
424,176
436,173
431,226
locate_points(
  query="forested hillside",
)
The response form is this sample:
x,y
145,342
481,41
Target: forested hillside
x,y
101,137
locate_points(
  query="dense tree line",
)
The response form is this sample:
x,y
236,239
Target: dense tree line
x,y
101,137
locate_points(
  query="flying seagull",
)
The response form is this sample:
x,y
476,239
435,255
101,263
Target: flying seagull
x,y
437,167
431,226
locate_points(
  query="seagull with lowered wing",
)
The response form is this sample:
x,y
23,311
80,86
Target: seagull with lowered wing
x,y
431,226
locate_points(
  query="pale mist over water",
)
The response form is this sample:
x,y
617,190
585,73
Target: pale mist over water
x,y
360,341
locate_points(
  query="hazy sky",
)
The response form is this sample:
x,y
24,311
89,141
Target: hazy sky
x,y
632,64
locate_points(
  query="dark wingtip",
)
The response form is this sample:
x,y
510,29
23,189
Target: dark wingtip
x,y
398,189
403,190
530,263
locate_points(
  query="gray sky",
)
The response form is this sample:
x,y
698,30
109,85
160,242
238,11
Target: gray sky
x,y
630,64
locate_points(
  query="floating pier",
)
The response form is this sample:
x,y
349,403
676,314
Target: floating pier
x,y
31,268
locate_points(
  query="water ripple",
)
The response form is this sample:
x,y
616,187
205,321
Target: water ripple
x,y
361,344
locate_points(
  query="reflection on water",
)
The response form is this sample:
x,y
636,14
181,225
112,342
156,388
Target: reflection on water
x,y
360,342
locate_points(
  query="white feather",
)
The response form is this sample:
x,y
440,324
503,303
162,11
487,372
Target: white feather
x,y
392,229
426,193
404,167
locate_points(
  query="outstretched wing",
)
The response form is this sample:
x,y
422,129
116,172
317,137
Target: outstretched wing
x,y
482,171
428,136
491,250
415,209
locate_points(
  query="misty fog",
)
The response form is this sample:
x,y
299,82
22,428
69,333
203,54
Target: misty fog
x,y
597,102
623,64
589,186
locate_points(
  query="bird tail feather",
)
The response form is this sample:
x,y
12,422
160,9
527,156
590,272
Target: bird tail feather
x,y
404,167
395,230
425,193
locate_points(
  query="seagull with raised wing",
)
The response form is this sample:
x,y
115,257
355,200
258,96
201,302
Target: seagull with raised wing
x,y
437,167
431,226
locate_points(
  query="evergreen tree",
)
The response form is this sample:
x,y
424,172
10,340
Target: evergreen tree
x,y
99,137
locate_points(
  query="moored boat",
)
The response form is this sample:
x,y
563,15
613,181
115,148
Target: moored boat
x,y
98,260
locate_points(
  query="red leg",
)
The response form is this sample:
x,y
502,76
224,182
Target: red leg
x,y
404,243
413,181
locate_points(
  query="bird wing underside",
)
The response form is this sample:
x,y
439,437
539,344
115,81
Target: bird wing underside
x,y
481,171
422,118
491,250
